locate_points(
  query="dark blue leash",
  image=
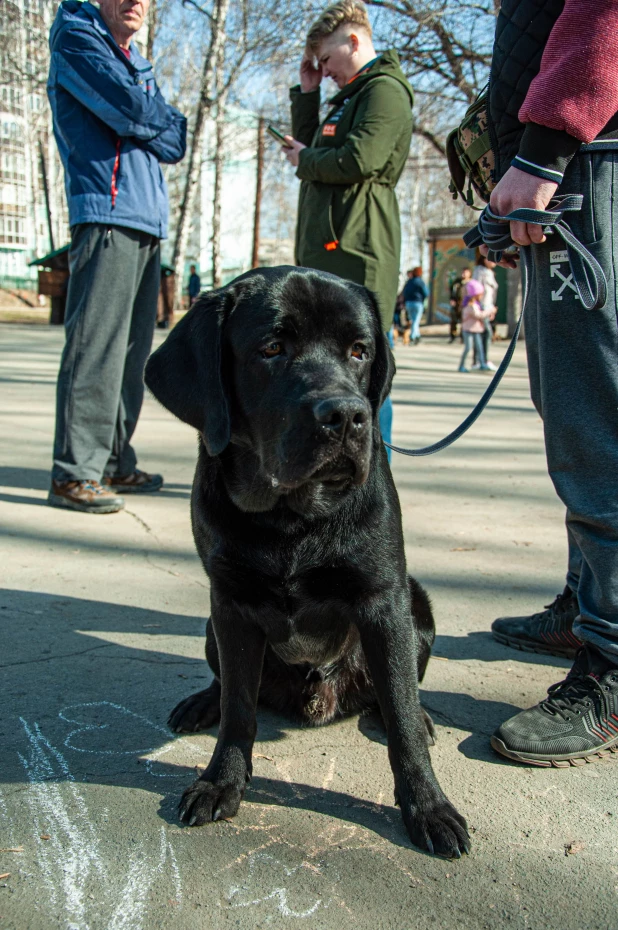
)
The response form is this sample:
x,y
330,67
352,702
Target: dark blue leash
x,y
494,231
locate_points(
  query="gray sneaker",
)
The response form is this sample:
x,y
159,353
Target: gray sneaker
x,y
549,632
576,723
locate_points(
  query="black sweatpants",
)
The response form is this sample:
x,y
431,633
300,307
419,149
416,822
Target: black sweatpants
x,y
109,322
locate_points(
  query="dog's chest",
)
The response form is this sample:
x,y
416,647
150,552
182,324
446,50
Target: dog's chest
x,y
317,648
310,624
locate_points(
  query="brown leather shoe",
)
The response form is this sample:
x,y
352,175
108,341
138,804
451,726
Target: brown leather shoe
x,y
87,496
139,482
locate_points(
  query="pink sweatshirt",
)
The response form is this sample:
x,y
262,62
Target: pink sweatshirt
x,y
576,90
473,317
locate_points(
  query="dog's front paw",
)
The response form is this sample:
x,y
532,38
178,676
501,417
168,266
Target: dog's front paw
x,y
197,712
435,825
206,800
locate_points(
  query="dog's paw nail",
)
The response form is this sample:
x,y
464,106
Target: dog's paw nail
x,y
193,820
217,814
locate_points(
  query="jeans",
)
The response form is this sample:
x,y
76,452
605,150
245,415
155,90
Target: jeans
x,y
469,339
573,366
386,410
386,423
110,317
415,311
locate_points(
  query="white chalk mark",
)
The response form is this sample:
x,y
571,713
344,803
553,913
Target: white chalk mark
x,y
280,895
84,727
71,857
330,775
141,876
153,753
70,853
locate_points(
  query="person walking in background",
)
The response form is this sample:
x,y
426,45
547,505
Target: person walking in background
x,y
415,293
113,128
349,164
456,300
484,272
194,286
473,323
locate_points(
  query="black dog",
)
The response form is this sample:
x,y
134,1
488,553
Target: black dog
x,y
297,521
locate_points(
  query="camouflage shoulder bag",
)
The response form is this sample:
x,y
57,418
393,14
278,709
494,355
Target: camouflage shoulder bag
x,y
470,155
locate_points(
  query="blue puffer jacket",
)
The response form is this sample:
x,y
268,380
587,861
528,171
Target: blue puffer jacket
x,y
111,123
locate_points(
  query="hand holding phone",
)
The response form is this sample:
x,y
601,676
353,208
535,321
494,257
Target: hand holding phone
x,y
277,135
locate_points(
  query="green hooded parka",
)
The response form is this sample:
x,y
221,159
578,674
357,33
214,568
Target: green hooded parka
x,y
348,218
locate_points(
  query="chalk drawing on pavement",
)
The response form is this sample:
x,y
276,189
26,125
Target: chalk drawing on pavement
x,y
71,856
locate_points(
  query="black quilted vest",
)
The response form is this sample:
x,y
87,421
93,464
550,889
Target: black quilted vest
x,y
522,32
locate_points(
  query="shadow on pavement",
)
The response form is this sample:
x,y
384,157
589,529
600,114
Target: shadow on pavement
x,y
482,646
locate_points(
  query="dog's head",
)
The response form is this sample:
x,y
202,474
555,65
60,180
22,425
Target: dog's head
x,y
286,363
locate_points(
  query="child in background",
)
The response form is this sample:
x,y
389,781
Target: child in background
x,y
473,323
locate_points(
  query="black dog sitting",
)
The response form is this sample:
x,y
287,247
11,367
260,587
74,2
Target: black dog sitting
x,y
297,521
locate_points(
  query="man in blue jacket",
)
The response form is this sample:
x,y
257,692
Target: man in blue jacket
x,y
113,129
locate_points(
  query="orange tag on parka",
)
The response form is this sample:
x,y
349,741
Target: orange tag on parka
x,y
329,129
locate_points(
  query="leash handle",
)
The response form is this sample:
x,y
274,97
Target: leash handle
x,y
494,231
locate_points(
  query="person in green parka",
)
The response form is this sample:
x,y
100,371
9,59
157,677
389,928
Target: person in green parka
x,y
349,164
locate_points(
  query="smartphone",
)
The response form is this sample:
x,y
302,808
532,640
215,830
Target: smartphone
x,y
276,135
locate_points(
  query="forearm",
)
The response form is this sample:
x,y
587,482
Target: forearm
x,y
169,146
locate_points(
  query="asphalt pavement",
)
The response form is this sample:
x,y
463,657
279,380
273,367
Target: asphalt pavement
x,y
101,628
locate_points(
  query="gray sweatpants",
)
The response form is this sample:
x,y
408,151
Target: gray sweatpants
x,y
573,363
110,316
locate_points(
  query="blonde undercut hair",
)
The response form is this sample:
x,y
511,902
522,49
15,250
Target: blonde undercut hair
x,y
347,12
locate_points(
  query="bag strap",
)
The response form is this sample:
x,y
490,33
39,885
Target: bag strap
x,y
494,231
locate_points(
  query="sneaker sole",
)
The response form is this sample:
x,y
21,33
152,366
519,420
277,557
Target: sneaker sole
x,y
56,500
606,751
540,648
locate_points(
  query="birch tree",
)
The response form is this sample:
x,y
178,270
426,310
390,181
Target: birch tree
x,y
193,161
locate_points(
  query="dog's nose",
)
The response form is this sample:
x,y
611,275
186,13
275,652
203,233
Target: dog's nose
x,y
341,415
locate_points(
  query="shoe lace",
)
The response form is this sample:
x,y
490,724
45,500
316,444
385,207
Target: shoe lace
x,y
577,692
92,486
558,606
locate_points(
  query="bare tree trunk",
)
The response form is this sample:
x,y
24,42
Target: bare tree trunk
x,y
255,260
152,29
219,161
194,160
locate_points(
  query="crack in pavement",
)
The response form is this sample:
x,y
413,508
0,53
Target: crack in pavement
x,y
142,523
190,663
451,722
62,655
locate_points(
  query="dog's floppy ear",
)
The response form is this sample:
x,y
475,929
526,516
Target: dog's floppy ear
x,y
184,374
383,367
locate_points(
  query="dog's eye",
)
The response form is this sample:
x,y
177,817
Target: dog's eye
x,y
359,351
272,349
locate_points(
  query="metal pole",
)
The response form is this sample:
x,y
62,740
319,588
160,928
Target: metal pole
x,y
255,260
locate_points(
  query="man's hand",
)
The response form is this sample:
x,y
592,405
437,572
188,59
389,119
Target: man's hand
x,y
519,189
310,76
292,150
